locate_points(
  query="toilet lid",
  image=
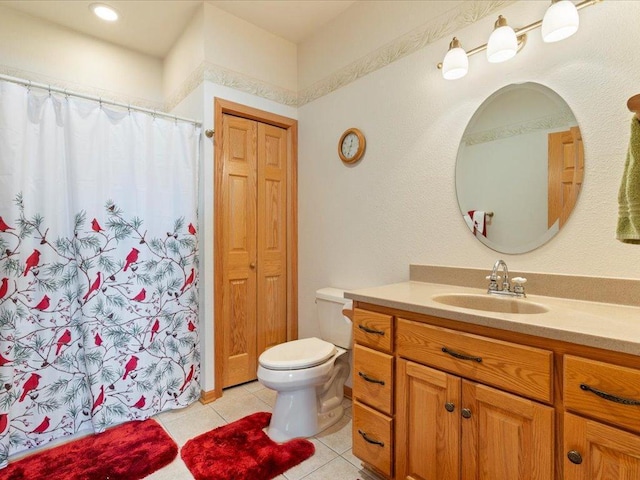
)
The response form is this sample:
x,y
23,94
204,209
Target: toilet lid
x,y
297,354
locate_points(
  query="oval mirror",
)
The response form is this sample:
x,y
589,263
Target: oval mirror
x,y
519,168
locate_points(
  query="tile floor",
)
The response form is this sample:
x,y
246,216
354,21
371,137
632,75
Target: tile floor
x,y
332,460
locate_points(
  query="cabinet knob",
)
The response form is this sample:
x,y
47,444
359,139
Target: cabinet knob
x,y
574,457
466,413
252,265
449,407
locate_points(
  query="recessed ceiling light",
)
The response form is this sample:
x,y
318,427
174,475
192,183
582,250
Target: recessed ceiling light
x,y
104,12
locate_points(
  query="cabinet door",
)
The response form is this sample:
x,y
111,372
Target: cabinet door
x,y
427,432
505,436
604,453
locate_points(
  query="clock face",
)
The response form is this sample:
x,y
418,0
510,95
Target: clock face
x,y
350,145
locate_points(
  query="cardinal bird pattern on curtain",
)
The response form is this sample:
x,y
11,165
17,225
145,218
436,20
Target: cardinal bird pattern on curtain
x,y
90,335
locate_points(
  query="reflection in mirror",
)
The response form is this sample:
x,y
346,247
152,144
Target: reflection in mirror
x,y
519,168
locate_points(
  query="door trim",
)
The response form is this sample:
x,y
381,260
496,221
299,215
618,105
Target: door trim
x,y
220,108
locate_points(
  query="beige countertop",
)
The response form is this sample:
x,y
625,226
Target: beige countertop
x,y
602,325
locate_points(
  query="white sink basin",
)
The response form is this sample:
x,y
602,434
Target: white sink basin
x,y
488,303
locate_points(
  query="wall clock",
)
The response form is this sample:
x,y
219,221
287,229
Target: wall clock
x,y
351,145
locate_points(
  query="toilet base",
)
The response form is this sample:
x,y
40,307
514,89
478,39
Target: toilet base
x,y
295,415
306,411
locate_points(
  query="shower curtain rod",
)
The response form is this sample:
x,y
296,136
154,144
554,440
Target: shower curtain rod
x,y
42,86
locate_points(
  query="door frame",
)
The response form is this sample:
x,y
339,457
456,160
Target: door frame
x,y
221,107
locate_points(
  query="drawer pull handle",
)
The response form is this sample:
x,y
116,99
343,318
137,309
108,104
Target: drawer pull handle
x,y
461,356
369,379
608,396
371,330
370,440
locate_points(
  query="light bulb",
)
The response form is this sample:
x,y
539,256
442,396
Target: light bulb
x,y
456,63
104,12
561,20
503,43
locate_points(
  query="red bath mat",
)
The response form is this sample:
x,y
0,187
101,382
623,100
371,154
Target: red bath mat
x,y
130,451
242,451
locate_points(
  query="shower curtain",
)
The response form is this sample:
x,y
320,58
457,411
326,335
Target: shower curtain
x,y
98,266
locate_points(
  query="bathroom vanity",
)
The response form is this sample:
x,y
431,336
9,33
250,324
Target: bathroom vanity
x,y
445,392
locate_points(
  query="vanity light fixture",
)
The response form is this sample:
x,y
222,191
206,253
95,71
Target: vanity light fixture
x,y
503,42
105,12
455,63
560,21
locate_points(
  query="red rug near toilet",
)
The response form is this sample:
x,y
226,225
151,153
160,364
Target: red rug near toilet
x,y
130,451
242,451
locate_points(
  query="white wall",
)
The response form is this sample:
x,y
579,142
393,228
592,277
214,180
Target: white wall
x,y
364,224
43,52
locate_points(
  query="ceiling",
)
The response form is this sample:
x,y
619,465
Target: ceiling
x,y
153,26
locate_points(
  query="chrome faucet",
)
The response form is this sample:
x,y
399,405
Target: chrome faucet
x,y
494,289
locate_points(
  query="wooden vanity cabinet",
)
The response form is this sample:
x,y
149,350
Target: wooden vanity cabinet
x,y
600,393
452,428
467,402
373,390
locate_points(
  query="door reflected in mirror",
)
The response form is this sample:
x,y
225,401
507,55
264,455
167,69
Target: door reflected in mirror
x,y
519,168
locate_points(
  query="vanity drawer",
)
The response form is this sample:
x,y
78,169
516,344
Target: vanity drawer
x,y
373,329
516,368
373,378
372,434
603,391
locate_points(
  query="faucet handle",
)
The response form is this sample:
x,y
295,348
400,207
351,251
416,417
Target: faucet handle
x,y
493,282
518,287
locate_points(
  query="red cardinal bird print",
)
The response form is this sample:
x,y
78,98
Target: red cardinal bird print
x,y
32,261
31,384
94,286
43,304
43,426
3,361
4,227
130,366
63,340
4,422
188,379
188,281
99,400
154,329
192,229
95,226
191,326
4,287
140,296
98,339
140,403
131,258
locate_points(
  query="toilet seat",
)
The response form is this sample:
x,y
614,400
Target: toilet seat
x,y
297,354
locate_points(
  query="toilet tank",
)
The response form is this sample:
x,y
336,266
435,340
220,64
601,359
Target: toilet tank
x,y
334,326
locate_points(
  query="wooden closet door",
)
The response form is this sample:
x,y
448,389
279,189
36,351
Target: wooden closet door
x,y
272,237
239,249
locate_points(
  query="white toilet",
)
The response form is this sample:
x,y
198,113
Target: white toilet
x,y
309,374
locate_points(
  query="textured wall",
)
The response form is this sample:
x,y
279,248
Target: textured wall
x,y
363,225
43,52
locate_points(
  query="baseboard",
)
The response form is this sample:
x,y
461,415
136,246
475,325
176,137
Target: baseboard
x,y
348,392
208,397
